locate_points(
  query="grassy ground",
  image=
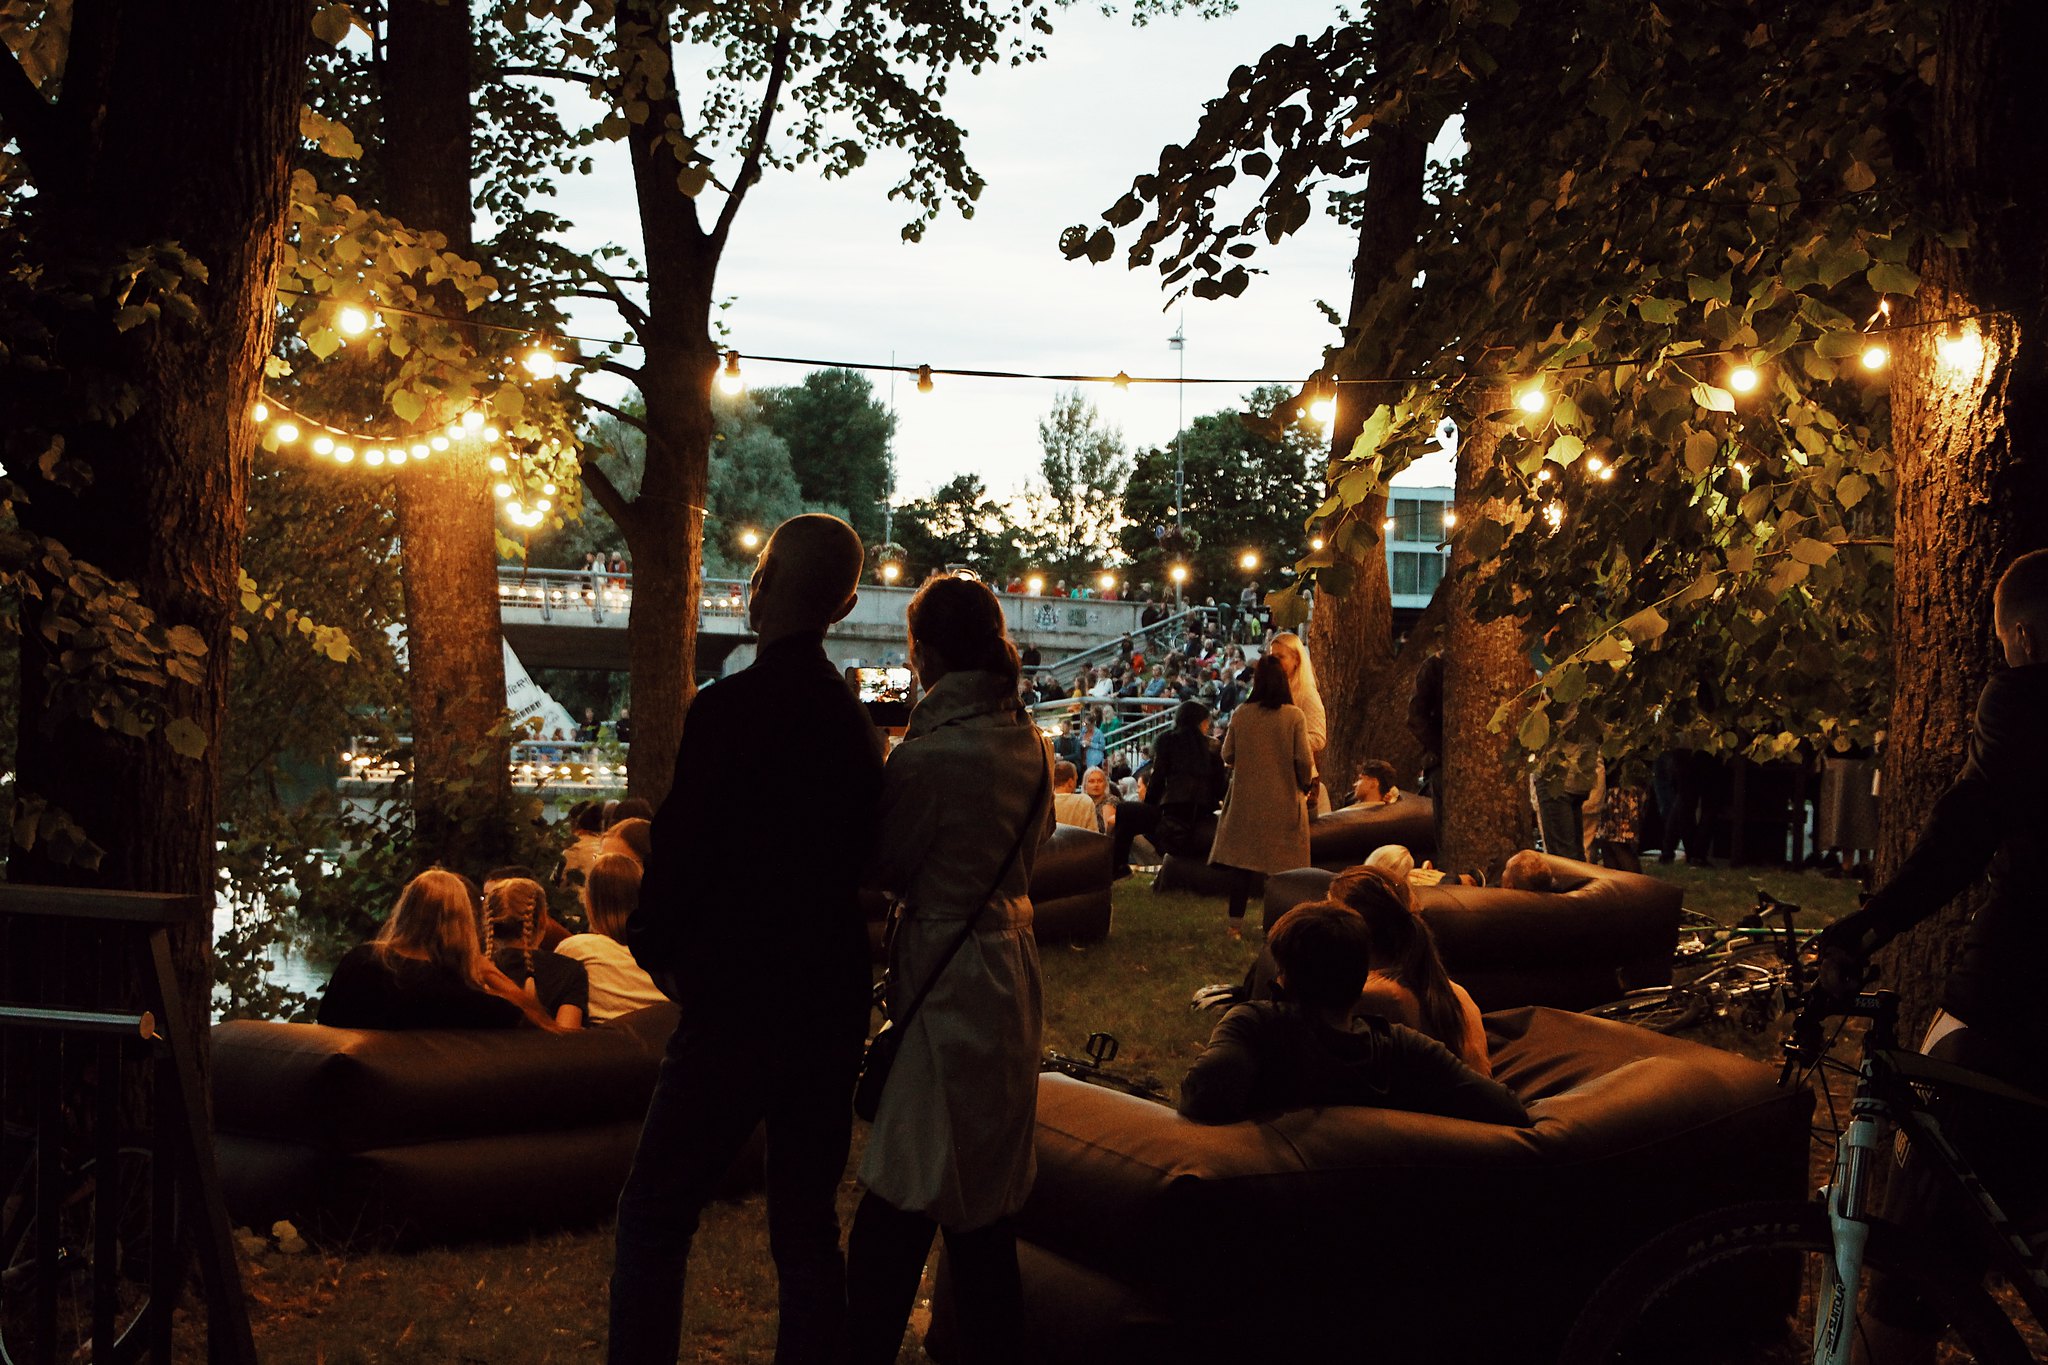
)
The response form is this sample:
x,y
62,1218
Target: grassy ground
x,y
543,1300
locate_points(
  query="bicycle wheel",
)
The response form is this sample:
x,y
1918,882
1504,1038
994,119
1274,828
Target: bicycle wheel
x,y
125,1197
1661,1009
1740,1285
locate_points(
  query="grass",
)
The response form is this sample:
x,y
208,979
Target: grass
x,y
542,1300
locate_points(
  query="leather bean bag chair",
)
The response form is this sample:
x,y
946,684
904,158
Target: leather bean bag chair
x,y
1601,934
1070,884
434,1135
1349,1234
1335,841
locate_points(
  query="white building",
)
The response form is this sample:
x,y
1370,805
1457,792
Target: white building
x,y
1417,554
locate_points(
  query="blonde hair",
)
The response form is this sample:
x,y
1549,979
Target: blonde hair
x,y
1301,673
435,919
610,891
1392,859
512,911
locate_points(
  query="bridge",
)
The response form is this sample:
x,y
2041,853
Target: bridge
x,y
557,618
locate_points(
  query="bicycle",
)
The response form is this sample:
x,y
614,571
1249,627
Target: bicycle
x,y
1749,971
1731,1281
1102,1049
47,1284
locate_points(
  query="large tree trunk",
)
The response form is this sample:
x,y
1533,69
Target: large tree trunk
x,y
177,126
455,663
1351,635
1971,448
1485,793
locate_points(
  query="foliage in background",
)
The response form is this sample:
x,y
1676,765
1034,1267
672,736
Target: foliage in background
x,y
1074,510
960,525
836,438
1647,199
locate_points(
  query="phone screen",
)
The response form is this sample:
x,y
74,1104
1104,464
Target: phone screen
x,y
885,692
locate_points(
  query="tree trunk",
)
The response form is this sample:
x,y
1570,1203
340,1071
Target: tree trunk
x,y
455,662
1971,449
1485,792
177,126
1351,635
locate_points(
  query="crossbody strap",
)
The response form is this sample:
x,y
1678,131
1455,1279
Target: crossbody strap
x,y
967,932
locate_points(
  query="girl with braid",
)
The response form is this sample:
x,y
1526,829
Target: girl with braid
x,y
514,912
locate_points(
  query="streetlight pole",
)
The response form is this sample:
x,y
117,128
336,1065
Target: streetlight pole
x,y
1178,341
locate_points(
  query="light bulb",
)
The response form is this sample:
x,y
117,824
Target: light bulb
x,y
1543,474
1034,585
286,433
545,505
419,450
455,431
373,456
473,419
1450,518
395,455
353,322
924,379
1316,543
548,489
749,538
1388,525
1532,400
540,362
492,434
1875,357
1323,410
344,454
730,379
1248,561
261,412
891,572
323,445
439,443
503,490
1607,474
1107,582
497,464
1179,573
1554,514
1743,379
1593,464
1961,351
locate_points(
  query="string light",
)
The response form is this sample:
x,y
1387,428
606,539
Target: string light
x,y
1532,400
1607,474
1743,378
1875,357
503,490
473,420
261,412
352,321
1553,512
286,433
344,454
749,538
323,444
1961,350
1316,543
1450,518
730,379
373,456
541,363
1248,561
1388,525
891,571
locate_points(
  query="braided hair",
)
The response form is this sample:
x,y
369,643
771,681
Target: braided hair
x,y
512,907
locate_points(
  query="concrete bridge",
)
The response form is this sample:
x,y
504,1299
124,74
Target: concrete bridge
x,y
569,619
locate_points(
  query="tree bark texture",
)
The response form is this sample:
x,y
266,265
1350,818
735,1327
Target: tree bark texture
x,y
1971,449
1351,635
455,663
1485,791
176,125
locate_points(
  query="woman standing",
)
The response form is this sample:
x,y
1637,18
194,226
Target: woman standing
x,y
965,806
1301,686
1264,826
1182,787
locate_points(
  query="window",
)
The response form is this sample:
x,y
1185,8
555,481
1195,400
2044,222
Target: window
x,y
1416,573
1409,516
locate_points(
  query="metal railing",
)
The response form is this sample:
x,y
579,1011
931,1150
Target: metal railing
x,y
1172,628
576,593
568,764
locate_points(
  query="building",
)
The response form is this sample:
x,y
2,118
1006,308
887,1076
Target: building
x,y
1417,554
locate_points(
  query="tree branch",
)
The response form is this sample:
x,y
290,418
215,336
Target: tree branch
x,y
607,493
557,73
26,116
750,170
621,369
638,424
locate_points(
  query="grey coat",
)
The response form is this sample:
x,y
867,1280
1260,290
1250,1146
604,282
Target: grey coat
x,y
1264,826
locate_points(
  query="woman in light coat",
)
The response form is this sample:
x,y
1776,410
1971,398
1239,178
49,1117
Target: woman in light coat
x,y
951,1147
1292,652
1264,825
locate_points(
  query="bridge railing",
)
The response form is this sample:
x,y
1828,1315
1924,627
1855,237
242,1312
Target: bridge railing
x,y
532,763
577,595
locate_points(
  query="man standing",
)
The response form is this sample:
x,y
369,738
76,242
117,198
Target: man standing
x,y
765,953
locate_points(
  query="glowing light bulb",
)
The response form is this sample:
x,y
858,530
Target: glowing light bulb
x,y
353,322
492,434
545,505
1388,526
473,419
1323,410
548,489
1554,514
373,456
749,538
395,455
323,445
1450,518
1035,585
497,464
439,443
286,433
455,431
891,572
924,379
1875,357
1179,573
1744,379
1107,582
344,454
1248,561
503,490
730,379
419,450
540,362
1316,543
1532,400
1961,351
261,412
1607,474
1543,474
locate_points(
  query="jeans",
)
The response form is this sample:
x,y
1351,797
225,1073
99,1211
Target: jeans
x,y
718,1080
885,1256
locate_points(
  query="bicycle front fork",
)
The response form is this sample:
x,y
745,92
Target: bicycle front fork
x,y
1835,1307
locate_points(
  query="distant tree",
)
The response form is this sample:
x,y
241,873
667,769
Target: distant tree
x,y
1250,486
754,485
1084,468
959,524
838,442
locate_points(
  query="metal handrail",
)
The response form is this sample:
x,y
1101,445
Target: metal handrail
x,y
1064,670
566,591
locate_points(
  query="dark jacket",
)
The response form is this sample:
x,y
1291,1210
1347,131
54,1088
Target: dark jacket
x,y
372,989
750,904
1268,1058
1995,814
1186,771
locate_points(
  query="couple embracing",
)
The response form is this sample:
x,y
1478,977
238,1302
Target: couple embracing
x,y
755,929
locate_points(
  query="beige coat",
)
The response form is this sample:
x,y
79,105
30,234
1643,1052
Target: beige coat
x,y
1264,826
953,1138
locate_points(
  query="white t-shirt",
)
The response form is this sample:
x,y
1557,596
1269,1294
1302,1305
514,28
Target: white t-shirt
x,y
618,984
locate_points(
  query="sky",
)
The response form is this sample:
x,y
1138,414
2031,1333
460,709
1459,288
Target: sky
x,y
818,268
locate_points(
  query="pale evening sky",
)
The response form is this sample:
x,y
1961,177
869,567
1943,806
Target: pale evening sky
x,y
818,268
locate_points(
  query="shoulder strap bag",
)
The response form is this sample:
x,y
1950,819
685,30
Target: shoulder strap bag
x,y
882,1048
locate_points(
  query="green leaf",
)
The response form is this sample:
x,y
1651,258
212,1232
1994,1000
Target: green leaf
x,y
1858,178
1608,649
1534,733
186,640
1810,551
1840,263
185,736
1661,311
1645,625
1699,288
1838,345
408,405
1892,279
1713,399
1852,489
1566,449
1566,683
1700,449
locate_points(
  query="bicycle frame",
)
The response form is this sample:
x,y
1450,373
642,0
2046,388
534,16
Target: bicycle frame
x,y
1886,1095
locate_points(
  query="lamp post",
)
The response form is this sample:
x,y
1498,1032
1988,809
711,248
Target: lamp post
x,y
1178,341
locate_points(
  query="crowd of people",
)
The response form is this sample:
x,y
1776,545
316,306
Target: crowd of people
x,y
767,959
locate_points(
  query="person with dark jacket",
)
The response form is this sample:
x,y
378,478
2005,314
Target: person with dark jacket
x,y
1992,1019
767,955
1268,1058
1183,783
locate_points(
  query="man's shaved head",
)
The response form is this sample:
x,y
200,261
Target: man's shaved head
x,y
2020,609
808,573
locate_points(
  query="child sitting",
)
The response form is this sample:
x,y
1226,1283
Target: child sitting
x,y
618,984
1267,1058
514,910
